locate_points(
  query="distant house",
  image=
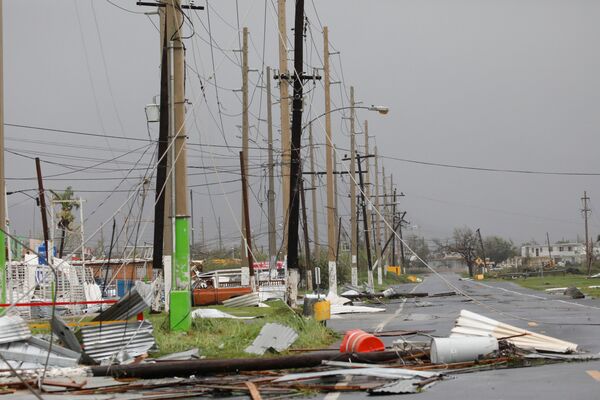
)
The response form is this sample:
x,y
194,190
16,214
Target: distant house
x,y
567,252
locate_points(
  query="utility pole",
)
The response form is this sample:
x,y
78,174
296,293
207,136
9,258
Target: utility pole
x,y
313,182
247,241
366,200
271,191
549,252
202,237
377,220
483,250
220,237
42,197
284,104
353,220
295,170
365,223
329,160
180,298
386,213
245,136
394,205
588,251
192,223
307,263
3,243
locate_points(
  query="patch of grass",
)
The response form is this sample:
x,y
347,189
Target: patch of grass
x,y
227,338
539,283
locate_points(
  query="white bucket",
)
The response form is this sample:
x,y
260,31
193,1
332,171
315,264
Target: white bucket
x,y
458,349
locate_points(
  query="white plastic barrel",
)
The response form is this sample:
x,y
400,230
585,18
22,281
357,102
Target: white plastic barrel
x,y
458,349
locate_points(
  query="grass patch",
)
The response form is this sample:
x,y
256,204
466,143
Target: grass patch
x,y
227,338
539,283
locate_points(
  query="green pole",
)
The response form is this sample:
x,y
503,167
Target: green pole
x,y
180,299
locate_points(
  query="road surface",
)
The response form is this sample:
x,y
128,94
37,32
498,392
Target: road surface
x,y
576,321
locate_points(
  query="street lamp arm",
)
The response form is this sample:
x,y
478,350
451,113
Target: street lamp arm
x,y
380,109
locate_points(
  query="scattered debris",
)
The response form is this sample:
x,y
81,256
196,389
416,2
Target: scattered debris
x,y
138,299
359,341
423,304
420,317
458,349
401,386
120,341
342,309
472,324
192,354
388,373
272,336
443,294
13,328
247,300
214,313
574,293
32,353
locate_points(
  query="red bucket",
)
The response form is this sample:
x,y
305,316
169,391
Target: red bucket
x,y
359,341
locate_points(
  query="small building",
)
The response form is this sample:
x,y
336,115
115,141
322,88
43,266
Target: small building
x,y
570,252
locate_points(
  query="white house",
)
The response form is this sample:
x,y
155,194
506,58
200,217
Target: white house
x,y
569,252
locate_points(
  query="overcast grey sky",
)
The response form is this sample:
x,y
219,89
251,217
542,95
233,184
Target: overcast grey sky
x,y
507,84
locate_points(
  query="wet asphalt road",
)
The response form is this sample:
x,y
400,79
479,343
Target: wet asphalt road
x,y
554,315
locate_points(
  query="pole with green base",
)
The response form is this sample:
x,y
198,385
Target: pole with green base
x,y
180,307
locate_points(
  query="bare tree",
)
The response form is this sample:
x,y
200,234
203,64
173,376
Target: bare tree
x,y
465,243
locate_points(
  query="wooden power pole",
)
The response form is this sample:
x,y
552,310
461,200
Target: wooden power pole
x,y
247,240
329,159
245,143
284,104
377,220
588,249
367,203
3,242
313,182
271,191
353,219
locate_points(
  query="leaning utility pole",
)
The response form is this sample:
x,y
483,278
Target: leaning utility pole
x,y
329,160
271,191
295,171
313,182
42,197
386,214
180,298
3,243
588,251
284,106
245,141
353,223
377,220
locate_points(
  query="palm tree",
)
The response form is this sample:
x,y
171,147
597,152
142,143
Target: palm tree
x,y
65,216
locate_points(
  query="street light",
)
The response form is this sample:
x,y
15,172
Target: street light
x,y
383,110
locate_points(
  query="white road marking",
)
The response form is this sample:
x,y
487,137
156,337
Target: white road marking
x,y
382,325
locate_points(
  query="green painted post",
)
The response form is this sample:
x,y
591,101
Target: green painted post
x,y
180,308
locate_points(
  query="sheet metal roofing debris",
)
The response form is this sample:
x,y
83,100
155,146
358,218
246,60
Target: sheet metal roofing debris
x,y
272,336
106,341
138,299
13,328
458,349
65,334
387,373
343,309
213,313
247,300
472,324
32,353
401,386
191,354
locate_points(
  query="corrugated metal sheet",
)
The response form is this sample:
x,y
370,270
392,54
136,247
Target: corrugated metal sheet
x,y
272,336
13,328
472,324
247,300
402,386
386,373
134,302
32,353
107,340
